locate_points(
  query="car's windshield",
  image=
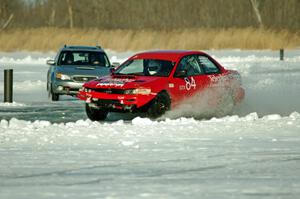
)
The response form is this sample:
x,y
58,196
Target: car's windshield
x,y
146,67
90,58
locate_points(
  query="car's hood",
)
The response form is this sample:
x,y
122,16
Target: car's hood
x,y
127,82
83,70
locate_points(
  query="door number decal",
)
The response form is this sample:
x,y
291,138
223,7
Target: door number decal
x,y
190,83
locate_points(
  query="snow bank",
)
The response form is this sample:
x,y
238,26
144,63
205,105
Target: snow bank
x,y
254,58
13,104
182,158
42,60
140,127
27,86
26,60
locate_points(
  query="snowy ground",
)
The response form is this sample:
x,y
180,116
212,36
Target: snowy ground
x,y
51,150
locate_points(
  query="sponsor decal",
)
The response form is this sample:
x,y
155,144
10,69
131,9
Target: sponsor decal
x,y
181,87
114,82
215,79
171,85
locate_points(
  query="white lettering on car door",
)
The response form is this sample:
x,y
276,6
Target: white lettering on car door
x,y
190,83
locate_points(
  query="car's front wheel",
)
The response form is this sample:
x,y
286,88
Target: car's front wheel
x,y
51,95
95,114
159,105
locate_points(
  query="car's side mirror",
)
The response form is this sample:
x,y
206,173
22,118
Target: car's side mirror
x,y
182,73
50,62
112,70
115,64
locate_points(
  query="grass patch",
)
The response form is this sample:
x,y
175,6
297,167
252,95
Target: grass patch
x,y
50,39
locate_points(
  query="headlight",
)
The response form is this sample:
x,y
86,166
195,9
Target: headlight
x,y
84,89
138,91
62,76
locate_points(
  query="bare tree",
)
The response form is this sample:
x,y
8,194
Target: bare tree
x,y
255,5
150,14
52,16
70,11
6,24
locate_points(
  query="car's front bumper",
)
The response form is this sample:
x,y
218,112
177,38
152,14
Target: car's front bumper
x,y
66,87
121,102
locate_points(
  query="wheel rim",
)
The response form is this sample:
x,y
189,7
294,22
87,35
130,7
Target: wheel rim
x,y
161,107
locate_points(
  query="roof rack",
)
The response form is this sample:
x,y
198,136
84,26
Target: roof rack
x,y
82,47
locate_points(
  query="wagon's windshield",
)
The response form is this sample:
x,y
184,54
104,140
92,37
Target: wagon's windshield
x,y
146,67
84,58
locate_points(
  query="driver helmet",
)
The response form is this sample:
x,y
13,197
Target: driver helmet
x,y
153,67
94,60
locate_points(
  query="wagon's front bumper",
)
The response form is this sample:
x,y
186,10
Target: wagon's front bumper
x,y
66,87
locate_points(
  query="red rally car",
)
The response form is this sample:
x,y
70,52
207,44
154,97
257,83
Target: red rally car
x,y
156,81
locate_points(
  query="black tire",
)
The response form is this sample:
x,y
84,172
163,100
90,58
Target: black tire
x,y
159,105
54,97
95,114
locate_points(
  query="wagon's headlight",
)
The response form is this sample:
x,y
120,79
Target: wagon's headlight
x,y
62,76
138,91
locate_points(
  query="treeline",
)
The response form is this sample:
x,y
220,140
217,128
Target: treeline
x,y
150,14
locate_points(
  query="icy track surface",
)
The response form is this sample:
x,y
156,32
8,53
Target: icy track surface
x,y
51,150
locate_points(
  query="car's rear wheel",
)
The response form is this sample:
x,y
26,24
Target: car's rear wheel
x,y
159,105
95,114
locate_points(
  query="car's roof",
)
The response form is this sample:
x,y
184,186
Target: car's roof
x,y
82,48
171,55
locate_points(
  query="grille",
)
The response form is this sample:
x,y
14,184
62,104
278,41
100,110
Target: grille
x,y
105,102
83,78
109,91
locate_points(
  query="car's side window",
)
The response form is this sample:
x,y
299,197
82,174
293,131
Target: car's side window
x,y
190,65
208,66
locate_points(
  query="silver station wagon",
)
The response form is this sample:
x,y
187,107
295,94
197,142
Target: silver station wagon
x,y
73,66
